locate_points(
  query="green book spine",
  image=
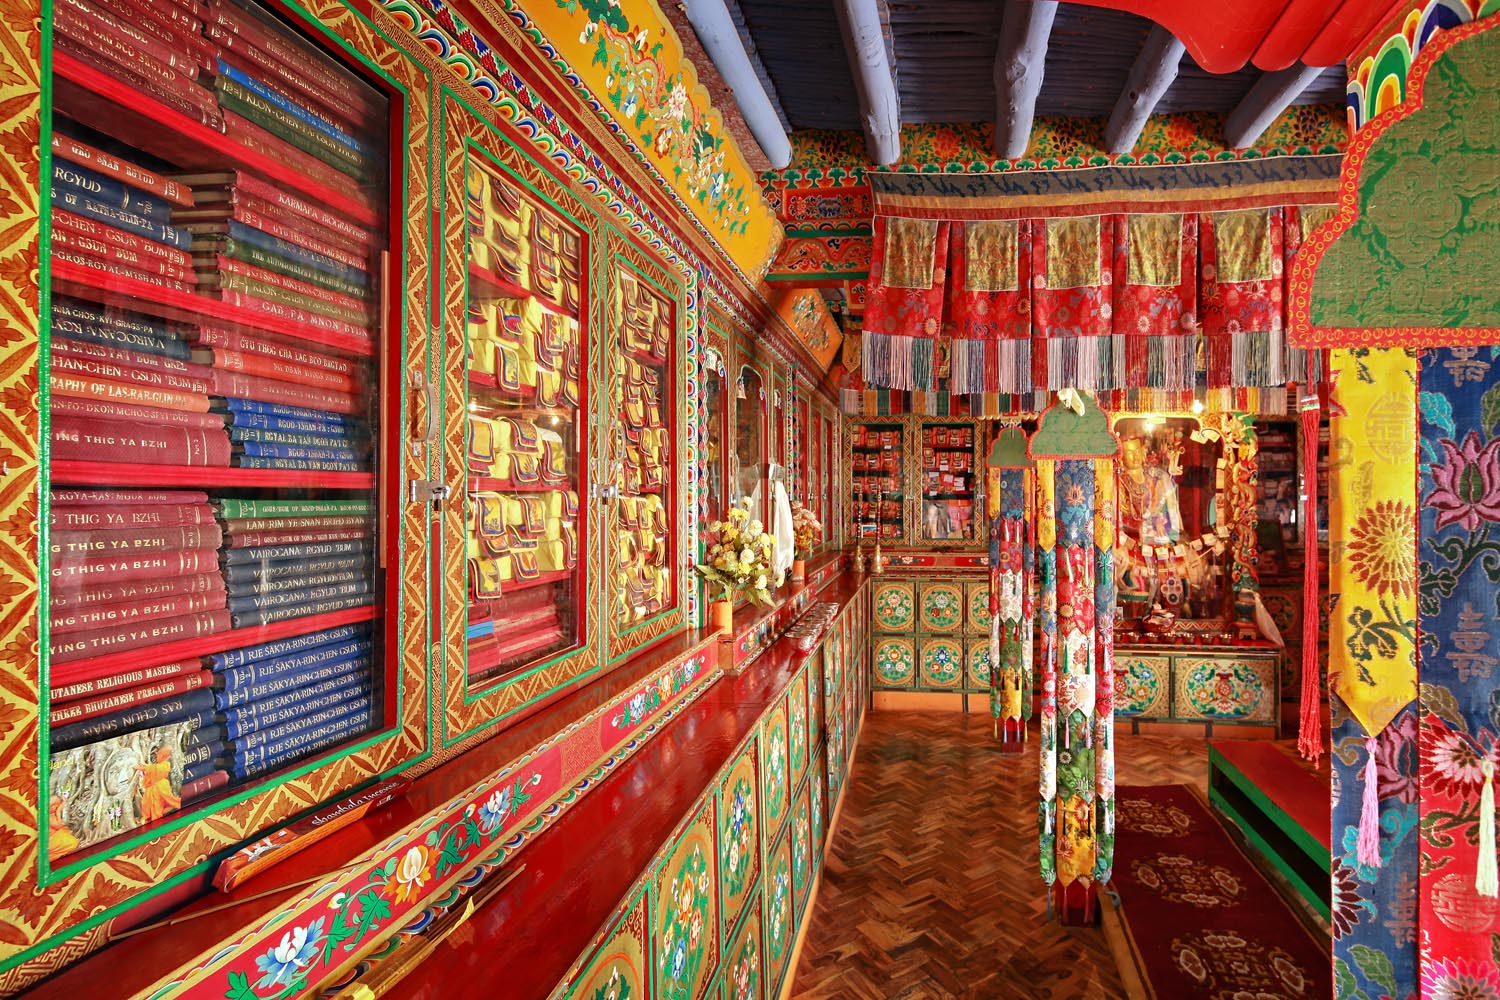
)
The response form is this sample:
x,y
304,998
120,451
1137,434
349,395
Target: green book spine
x,y
240,283
233,97
290,508
230,247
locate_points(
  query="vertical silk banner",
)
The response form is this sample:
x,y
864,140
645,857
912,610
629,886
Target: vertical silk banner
x,y
1012,522
989,305
1156,298
904,303
1242,296
1459,714
1075,453
1073,341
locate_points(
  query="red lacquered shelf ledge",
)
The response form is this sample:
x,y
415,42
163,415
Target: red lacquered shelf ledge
x,y
491,285
75,473
184,307
181,649
171,135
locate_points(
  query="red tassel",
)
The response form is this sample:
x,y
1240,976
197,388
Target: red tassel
x,y
1367,848
1310,728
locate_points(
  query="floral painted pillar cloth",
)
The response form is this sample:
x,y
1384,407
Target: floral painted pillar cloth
x,y
1075,451
1459,711
904,303
1009,496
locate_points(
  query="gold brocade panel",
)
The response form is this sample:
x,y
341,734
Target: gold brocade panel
x,y
1154,245
1243,242
1073,252
992,256
910,252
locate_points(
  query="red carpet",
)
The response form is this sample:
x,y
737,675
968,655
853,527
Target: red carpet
x,y
1203,920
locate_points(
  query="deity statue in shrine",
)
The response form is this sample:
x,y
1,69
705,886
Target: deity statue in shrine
x,y
1148,495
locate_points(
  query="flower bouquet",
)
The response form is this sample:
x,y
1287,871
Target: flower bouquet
x,y
737,559
807,531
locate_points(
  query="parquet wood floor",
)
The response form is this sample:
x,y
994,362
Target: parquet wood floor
x,y
931,892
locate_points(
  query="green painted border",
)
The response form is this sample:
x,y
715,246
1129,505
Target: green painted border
x,y
45,873
1304,840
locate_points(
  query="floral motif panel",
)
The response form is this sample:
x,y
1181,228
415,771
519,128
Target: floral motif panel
x,y
774,791
796,713
942,663
801,840
618,969
1225,690
978,664
940,607
895,607
780,915
979,608
1143,686
685,914
739,834
743,971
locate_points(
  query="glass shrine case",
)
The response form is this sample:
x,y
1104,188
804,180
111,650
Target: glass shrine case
x,y
950,474
877,475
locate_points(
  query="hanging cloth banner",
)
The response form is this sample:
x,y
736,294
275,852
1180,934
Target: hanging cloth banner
x,y
1009,499
1156,298
1243,323
1073,345
989,303
904,303
1074,450
1372,630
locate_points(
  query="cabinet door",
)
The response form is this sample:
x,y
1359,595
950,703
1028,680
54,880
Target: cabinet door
x,y
949,489
516,532
645,521
233,622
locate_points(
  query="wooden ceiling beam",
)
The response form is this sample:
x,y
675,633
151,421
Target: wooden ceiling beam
x,y
1270,95
879,104
1020,61
720,38
1150,78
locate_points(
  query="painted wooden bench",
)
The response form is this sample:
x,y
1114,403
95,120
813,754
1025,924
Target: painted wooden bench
x,y
1280,806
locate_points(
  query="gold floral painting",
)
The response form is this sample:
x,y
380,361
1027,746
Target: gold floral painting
x,y
1073,252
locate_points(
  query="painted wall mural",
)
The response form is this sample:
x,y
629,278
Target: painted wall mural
x,y
1377,82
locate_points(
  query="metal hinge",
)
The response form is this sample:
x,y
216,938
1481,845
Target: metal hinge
x,y
428,491
600,491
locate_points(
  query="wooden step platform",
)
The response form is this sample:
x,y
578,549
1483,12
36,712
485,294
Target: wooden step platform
x,y
1281,804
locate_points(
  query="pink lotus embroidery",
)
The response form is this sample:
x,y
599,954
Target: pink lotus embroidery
x,y
1466,487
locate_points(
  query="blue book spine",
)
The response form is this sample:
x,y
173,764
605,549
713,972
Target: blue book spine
x,y
244,714
109,336
238,406
250,763
303,464
311,720
284,647
340,439
269,616
292,661
201,751
317,121
301,550
249,685
201,769
252,588
333,427
262,449
88,313
109,191
81,204
260,575
159,713
252,723
251,236
301,595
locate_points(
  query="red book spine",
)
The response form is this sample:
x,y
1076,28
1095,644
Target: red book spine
x,y
76,711
135,590
186,43
233,340
267,192
119,392
256,539
256,364
109,517
80,226
130,36
181,23
271,391
85,440
292,233
74,406
252,136
230,265
357,244
126,498
275,310
109,66
94,34
199,788
70,149
83,685
128,358
104,253
303,63
77,574
89,544
132,612
239,525
93,368
97,642
262,214
120,270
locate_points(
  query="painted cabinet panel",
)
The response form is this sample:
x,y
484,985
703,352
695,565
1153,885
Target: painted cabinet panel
x,y
895,662
978,595
685,914
618,968
941,662
739,834
801,837
796,740
780,914
940,607
1143,686
818,808
815,718
978,664
1227,690
895,607
775,795
744,969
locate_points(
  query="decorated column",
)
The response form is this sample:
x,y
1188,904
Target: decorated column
x,y
1010,490
1075,451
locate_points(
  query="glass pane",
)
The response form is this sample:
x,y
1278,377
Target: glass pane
x,y
214,575
524,436
750,441
644,574
711,447
878,498
948,475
